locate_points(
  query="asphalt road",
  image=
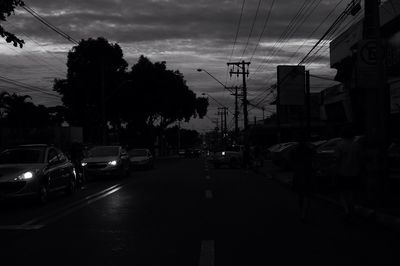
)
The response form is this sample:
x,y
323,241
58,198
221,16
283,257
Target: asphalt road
x,y
183,212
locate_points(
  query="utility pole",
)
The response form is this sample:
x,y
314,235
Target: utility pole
x,y
236,112
221,113
242,69
308,105
225,124
371,79
103,103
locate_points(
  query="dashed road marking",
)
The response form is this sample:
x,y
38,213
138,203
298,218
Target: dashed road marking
x,y
209,194
207,253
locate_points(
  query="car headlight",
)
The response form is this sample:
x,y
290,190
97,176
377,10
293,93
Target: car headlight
x,y
223,153
26,176
113,163
83,164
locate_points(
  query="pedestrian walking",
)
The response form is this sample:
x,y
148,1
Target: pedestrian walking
x,y
348,166
303,174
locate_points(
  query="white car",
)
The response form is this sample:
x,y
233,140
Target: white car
x,y
106,161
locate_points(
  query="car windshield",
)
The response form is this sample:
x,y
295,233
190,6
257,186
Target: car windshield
x,y
103,151
22,156
137,153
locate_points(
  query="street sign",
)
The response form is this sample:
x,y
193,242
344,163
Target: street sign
x,y
368,52
367,61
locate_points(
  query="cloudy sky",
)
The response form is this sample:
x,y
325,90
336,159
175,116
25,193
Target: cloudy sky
x,y
186,34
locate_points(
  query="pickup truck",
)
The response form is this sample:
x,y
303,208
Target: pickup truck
x,y
231,156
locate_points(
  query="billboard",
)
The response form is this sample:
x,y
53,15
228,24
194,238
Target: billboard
x,y
291,85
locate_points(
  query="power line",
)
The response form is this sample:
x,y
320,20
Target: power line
x,y
27,86
263,29
251,29
48,24
237,30
333,27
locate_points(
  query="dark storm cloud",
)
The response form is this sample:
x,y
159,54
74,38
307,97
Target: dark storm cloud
x,y
131,21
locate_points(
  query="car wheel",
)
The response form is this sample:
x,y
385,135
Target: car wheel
x,y
43,194
71,188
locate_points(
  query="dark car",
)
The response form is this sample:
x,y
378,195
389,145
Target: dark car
x,y
141,158
35,170
106,161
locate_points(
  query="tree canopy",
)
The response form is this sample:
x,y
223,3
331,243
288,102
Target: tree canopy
x,y
158,96
96,68
7,8
147,96
19,111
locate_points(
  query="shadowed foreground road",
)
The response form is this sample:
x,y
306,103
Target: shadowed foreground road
x,y
185,213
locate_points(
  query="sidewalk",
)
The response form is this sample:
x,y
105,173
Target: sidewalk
x,y
286,178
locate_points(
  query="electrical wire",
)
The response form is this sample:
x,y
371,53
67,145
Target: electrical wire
x,y
237,30
49,25
263,29
251,29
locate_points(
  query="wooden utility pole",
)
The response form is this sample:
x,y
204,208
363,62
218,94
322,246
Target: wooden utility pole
x,y
225,124
242,69
236,114
308,105
103,103
221,113
371,79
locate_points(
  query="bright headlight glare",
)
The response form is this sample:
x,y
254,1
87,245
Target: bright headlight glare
x,y
113,163
83,164
223,153
26,175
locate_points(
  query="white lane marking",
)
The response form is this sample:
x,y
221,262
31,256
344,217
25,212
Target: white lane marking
x,y
209,194
207,253
66,208
21,227
46,220
84,204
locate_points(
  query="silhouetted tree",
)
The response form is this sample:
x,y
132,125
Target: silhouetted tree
x,y
93,65
7,9
156,96
17,111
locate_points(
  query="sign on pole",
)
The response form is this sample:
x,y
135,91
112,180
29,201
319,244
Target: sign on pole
x,y
291,85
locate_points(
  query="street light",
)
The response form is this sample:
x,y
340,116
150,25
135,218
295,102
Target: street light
x,y
208,73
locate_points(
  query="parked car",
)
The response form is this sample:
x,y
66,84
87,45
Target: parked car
x,y
231,156
35,170
324,159
280,153
106,161
141,158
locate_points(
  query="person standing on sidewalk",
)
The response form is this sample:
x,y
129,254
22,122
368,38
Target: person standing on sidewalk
x,y
348,166
303,173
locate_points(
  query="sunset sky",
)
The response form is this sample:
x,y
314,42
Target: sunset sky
x,y
186,34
